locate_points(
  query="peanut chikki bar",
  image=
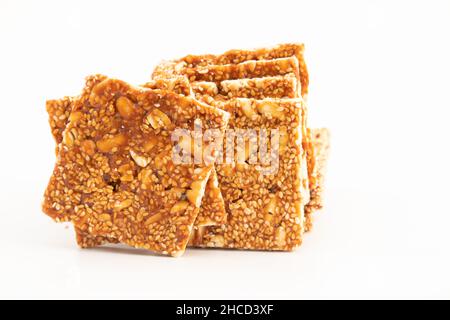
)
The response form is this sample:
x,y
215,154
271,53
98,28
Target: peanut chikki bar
x,y
114,175
59,109
208,92
170,68
266,211
320,139
202,63
212,211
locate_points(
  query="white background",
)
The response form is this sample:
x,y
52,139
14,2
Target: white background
x,y
379,80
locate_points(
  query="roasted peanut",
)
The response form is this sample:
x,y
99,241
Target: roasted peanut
x,y
125,107
88,147
145,177
154,218
271,110
179,207
217,241
195,194
120,205
111,144
140,160
280,237
248,110
69,137
158,119
75,116
104,217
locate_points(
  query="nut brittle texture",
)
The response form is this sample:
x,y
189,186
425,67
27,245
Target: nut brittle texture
x,y
114,176
59,111
266,211
207,92
284,86
169,68
177,84
247,69
212,211
242,62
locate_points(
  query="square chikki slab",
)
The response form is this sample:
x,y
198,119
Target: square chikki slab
x,y
321,141
212,211
114,175
209,92
266,211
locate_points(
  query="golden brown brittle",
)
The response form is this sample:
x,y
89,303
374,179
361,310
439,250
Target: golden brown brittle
x,y
110,181
284,86
212,211
207,92
266,211
241,62
171,68
247,69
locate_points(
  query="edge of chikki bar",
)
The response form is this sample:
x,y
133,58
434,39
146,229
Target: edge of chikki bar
x,y
237,56
283,86
58,111
321,142
246,69
177,84
212,211
269,87
104,89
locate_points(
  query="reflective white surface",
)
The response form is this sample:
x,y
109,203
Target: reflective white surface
x,y
379,80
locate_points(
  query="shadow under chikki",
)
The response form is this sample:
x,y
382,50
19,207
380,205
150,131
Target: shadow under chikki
x,y
124,250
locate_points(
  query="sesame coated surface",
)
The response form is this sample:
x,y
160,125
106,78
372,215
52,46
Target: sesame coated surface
x,y
266,212
212,211
238,73
236,56
114,176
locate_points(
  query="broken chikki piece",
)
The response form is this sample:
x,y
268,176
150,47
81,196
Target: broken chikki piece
x,y
212,211
266,210
115,176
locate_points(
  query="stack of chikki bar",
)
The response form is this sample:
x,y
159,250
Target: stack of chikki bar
x,y
116,179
